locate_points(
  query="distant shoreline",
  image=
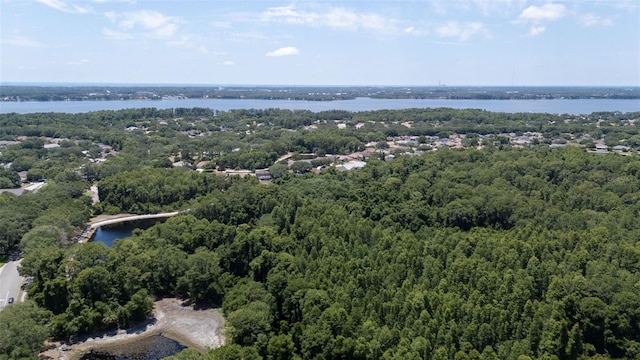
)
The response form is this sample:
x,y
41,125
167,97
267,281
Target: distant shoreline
x,y
323,100
302,86
88,92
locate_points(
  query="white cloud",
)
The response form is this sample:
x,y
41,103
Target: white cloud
x,y
79,62
63,6
284,51
166,31
179,41
485,7
221,24
450,29
537,15
546,12
337,18
341,18
144,18
536,30
21,41
461,31
115,1
412,30
111,15
227,62
595,20
116,35
497,7
152,23
378,23
289,15
628,5
438,7
248,36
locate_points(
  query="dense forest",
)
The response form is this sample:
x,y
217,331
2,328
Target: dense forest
x,y
493,253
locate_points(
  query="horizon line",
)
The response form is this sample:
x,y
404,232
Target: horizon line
x,y
114,84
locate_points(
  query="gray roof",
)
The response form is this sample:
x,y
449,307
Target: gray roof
x,y
16,192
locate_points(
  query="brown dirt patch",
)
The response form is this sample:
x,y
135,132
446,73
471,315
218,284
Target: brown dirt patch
x,y
200,329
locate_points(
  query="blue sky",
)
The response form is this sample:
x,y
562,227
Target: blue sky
x,y
358,42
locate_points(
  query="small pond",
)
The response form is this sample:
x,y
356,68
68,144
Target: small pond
x,y
108,234
150,348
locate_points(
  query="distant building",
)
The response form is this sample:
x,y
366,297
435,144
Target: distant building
x,y
5,143
621,148
263,175
241,173
16,192
351,165
555,146
521,140
34,187
407,143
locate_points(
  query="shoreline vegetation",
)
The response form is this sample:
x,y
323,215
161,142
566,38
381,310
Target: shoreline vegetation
x,y
199,329
19,93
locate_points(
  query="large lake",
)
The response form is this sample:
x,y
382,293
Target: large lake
x,y
559,106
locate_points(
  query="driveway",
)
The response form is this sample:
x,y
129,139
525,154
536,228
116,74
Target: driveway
x,y
10,282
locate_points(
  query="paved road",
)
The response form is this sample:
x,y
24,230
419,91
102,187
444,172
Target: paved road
x,y
10,282
120,219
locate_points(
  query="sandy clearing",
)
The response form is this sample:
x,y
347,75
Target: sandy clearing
x,y
200,329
